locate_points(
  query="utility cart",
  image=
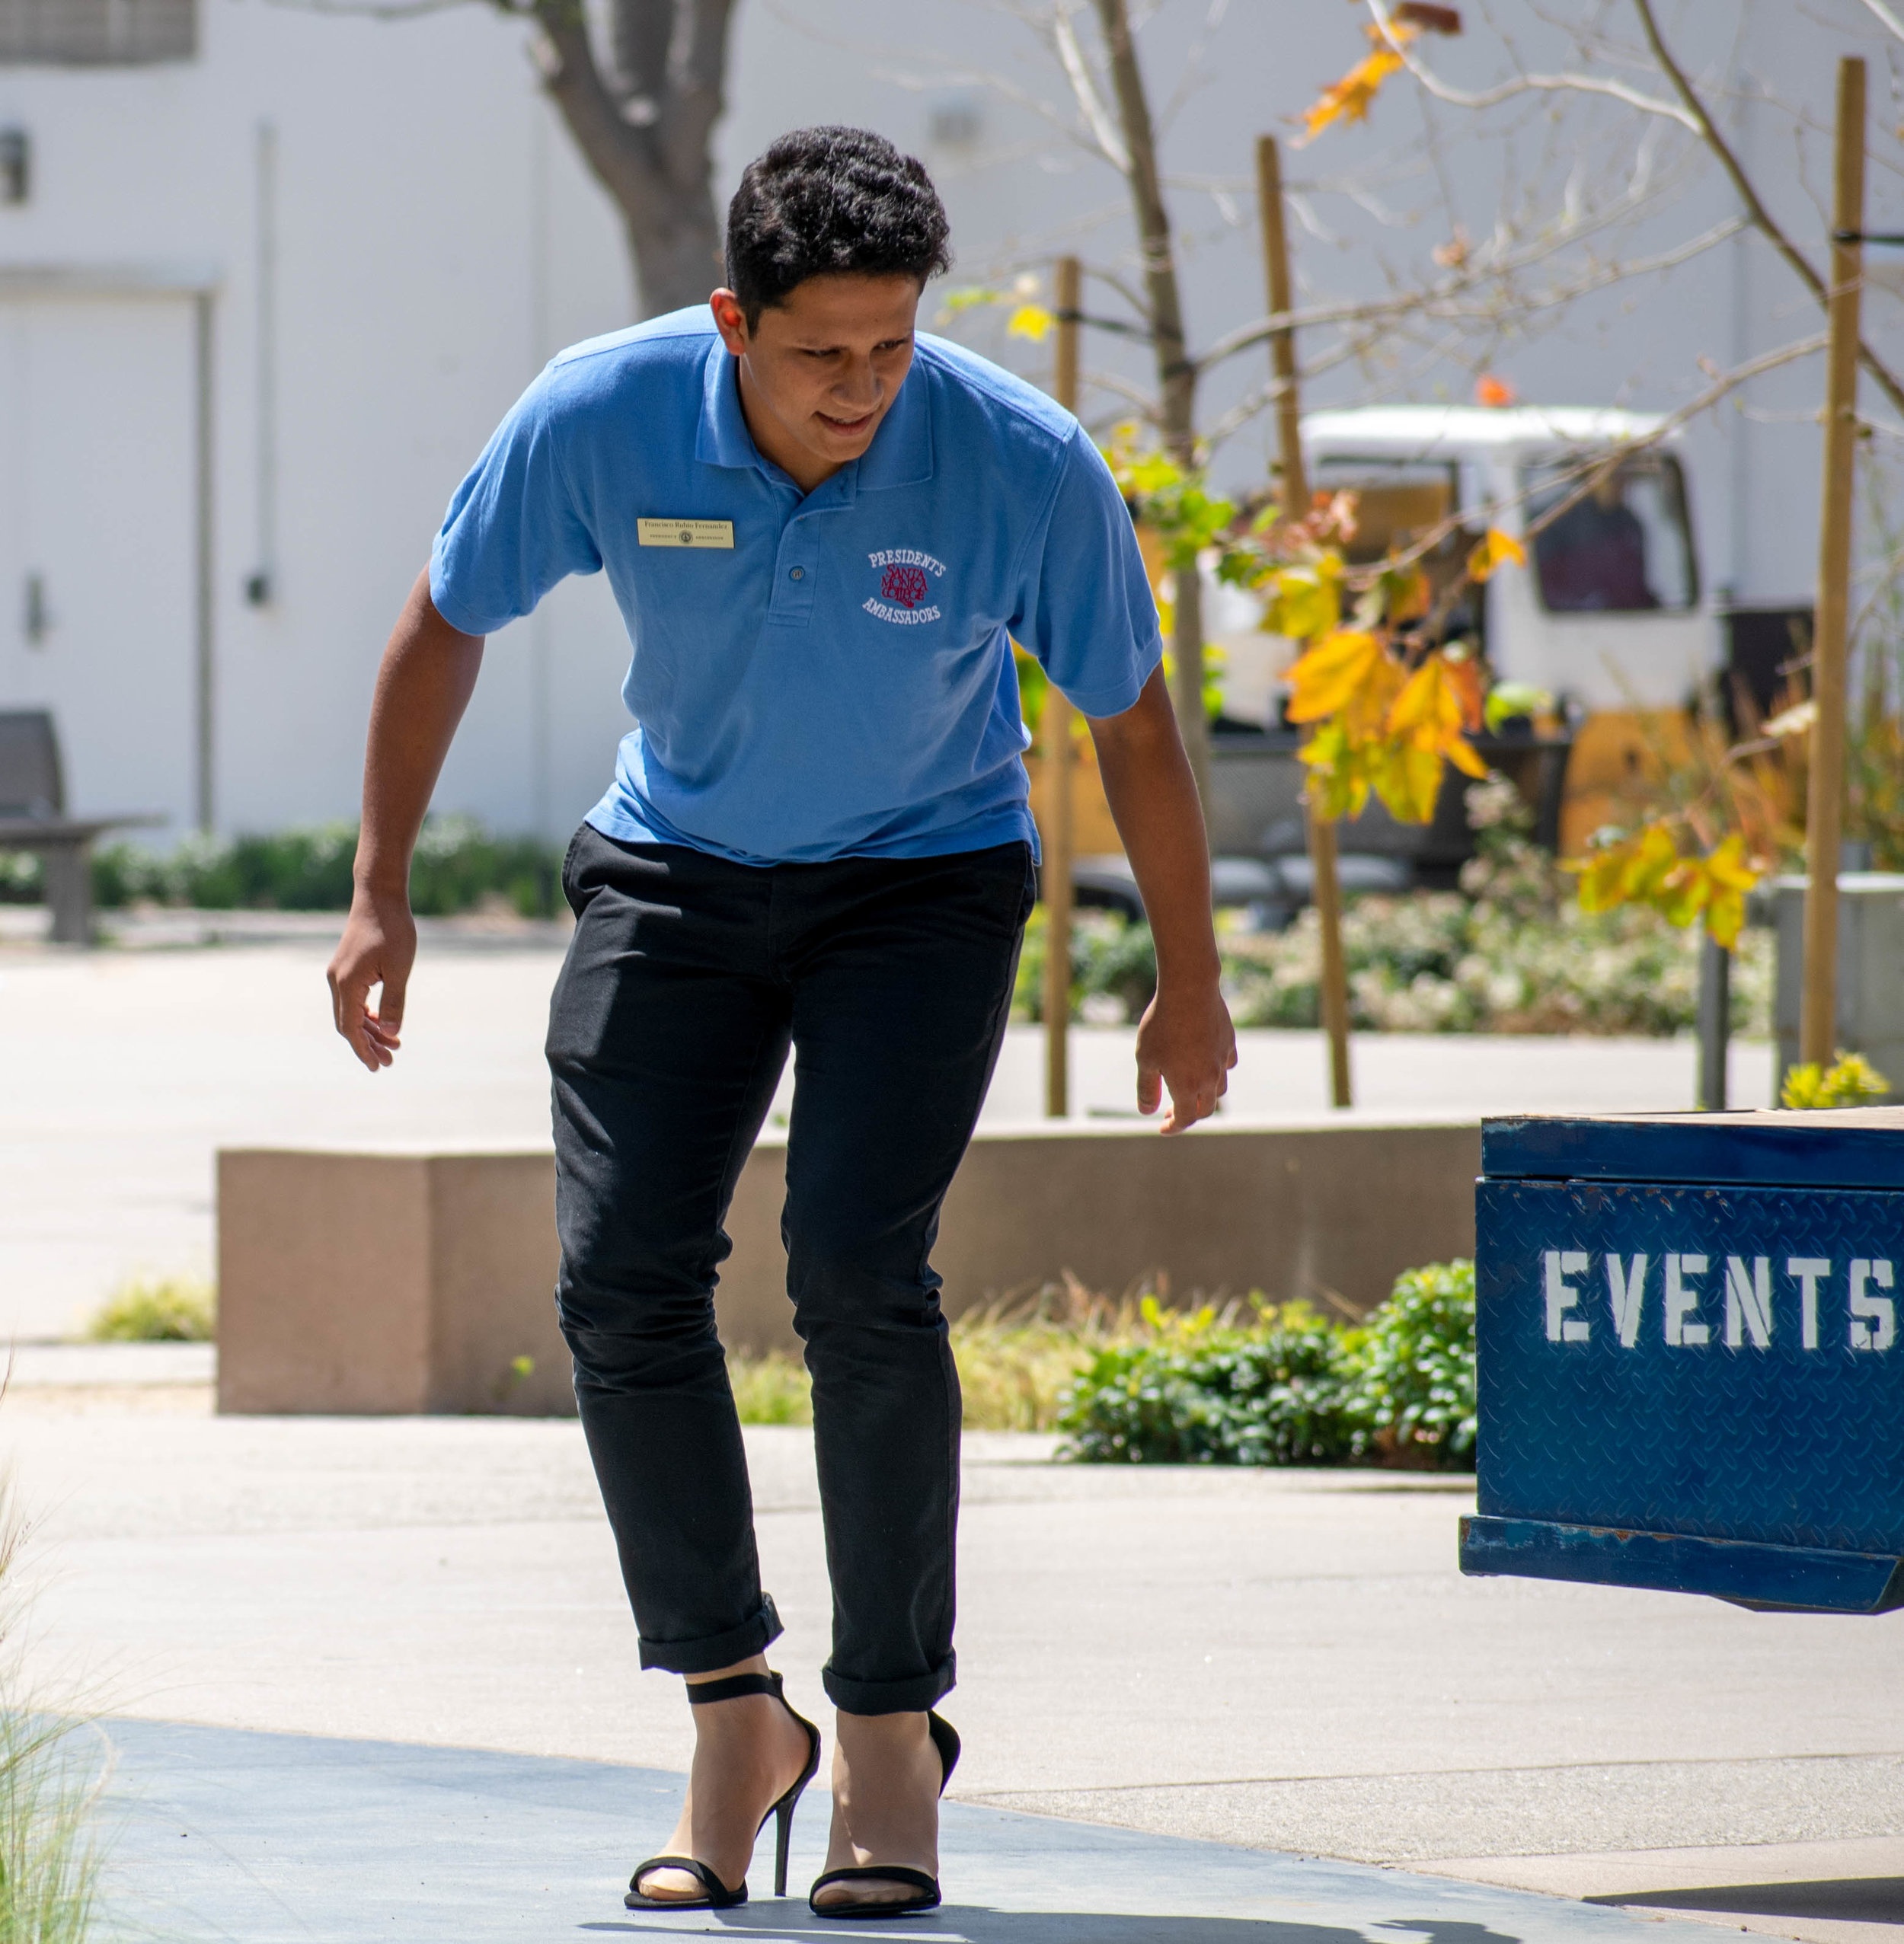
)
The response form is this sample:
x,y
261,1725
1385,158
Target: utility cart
x,y
1690,1368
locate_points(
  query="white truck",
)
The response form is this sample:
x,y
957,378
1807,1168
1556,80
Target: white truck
x,y
1609,615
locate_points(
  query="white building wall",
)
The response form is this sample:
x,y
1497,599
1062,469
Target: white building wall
x,y
437,239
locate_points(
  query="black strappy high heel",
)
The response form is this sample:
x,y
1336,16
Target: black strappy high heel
x,y
719,1897
945,1738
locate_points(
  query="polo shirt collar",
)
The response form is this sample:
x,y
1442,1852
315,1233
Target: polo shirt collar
x,y
900,455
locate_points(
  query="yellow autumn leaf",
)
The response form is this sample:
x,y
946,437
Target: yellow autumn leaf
x,y
1323,681
1726,917
1497,548
1031,321
1728,867
1338,785
1428,706
1305,600
1429,714
1684,892
1649,860
1407,779
1600,878
1350,98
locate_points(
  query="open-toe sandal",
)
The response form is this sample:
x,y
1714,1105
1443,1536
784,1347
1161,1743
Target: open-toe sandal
x,y
719,1897
926,1889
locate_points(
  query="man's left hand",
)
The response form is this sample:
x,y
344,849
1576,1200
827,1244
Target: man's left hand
x,y
1185,1044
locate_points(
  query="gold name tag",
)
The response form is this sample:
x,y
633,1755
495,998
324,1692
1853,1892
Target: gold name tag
x,y
685,533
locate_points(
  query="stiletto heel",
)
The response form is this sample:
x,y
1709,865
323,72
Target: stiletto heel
x,y
719,1897
945,1739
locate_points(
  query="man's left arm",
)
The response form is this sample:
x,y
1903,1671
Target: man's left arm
x,y
1185,1042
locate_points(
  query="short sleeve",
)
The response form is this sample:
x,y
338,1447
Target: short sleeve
x,y
1084,606
513,530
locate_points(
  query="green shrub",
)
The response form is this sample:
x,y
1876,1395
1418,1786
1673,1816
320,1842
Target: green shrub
x,y
1413,1386
174,1309
1850,1081
1510,952
1205,1391
458,865
1288,1386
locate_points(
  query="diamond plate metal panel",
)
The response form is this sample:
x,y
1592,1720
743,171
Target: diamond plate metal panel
x,y
1718,1436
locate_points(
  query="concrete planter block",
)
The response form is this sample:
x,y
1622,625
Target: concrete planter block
x,y
399,1280
391,1281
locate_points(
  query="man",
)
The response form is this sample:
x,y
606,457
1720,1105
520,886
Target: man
x,y
823,532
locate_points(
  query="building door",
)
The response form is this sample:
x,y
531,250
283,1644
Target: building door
x,y
97,525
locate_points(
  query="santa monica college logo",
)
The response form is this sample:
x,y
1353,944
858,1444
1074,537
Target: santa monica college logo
x,y
906,581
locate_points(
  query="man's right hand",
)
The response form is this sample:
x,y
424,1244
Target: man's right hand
x,y
377,948
423,685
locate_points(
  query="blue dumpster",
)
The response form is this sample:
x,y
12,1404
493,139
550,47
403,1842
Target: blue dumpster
x,y
1690,1370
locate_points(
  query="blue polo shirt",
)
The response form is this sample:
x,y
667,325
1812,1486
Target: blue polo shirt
x,y
817,675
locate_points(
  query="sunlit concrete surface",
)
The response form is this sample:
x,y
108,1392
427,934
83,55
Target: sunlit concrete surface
x,y
127,1068
1275,1661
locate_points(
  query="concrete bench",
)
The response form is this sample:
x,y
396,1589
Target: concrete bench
x,y
33,818
413,1279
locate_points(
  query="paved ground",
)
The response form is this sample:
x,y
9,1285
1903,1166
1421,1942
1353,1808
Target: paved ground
x,y
126,1068
1282,1662
278,1840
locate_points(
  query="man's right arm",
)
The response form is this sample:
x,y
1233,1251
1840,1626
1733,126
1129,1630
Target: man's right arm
x,y
424,683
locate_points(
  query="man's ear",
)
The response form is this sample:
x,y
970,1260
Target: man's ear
x,y
731,320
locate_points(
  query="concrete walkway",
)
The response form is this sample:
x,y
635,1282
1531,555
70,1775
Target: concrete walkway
x,y
126,1069
1280,1663
276,1839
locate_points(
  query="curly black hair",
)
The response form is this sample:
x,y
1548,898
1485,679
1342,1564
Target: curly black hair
x,y
831,202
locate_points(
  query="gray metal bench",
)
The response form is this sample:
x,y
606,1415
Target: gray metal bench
x,y
33,817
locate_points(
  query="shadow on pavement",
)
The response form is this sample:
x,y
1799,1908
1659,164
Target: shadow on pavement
x,y
1849,1899
972,1923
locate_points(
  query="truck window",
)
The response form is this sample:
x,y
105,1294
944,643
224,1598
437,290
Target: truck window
x,y
1624,548
1397,502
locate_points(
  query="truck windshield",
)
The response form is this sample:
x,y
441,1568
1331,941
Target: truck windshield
x,y
1624,548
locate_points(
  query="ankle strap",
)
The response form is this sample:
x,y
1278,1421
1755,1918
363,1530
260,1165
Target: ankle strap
x,y
700,1693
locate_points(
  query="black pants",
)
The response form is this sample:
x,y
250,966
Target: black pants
x,y
687,979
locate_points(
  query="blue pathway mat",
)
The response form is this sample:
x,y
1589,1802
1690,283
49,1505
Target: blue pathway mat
x,y
222,1835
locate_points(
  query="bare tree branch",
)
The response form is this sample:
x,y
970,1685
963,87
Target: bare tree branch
x,y
1097,117
1761,216
655,163
1521,84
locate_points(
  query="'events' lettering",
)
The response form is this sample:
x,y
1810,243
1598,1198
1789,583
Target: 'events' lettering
x,y
1757,1297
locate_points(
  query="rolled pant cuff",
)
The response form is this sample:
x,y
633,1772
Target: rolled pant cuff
x,y
891,1697
719,1650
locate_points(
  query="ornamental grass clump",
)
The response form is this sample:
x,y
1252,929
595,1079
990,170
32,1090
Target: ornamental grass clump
x,y
50,1783
149,1309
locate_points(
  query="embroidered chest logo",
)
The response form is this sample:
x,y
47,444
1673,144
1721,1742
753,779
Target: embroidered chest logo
x,y
905,586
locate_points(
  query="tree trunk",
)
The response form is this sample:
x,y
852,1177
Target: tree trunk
x,y
1176,375
644,130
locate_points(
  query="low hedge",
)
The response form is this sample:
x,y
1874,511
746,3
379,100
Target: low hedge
x,y
1289,1387
459,866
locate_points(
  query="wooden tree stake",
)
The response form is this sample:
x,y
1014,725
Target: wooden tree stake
x,y
1326,886
1056,735
1824,810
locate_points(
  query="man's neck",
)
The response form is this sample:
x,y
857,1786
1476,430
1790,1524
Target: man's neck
x,y
806,468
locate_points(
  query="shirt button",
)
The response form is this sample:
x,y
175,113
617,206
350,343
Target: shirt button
x,y
795,573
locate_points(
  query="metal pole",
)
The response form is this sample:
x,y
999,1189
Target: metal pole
x,y
1824,810
205,697
1326,886
1715,1022
1058,832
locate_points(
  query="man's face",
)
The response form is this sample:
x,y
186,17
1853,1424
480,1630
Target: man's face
x,y
822,368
